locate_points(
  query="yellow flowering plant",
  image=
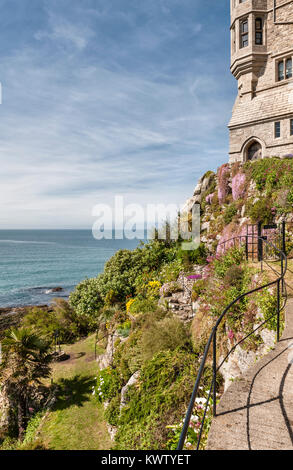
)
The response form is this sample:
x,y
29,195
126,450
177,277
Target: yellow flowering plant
x,y
153,288
129,303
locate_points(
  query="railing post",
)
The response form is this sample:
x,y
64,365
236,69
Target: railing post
x,y
215,373
282,274
278,310
260,242
246,247
284,237
284,251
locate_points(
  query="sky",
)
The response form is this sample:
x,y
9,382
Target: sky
x,y
109,97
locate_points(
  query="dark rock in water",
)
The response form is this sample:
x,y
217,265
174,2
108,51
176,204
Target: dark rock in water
x,y
54,289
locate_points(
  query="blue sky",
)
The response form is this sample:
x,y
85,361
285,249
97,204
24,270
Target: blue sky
x,y
105,97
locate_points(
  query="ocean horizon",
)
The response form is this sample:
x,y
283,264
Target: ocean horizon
x,y
35,262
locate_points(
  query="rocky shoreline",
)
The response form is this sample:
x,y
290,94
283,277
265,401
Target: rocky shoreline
x,y
12,316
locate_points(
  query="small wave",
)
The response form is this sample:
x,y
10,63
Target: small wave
x,y
31,242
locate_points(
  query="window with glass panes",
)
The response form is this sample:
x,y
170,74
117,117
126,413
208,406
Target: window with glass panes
x,y
281,74
244,33
258,31
277,129
289,68
285,69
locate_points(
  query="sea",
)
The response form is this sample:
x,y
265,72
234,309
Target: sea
x,y
35,262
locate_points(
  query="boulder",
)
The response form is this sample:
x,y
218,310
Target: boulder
x,y
197,190
132,381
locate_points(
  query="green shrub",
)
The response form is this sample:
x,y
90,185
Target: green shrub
x,y
128,356
230,213
197,288
267,303
112,413
124,329
170,271
60,317
32,427
86,299
261,211
234,276
164,335
108,384
143,305
124,270
164,390
190,257
42,321
234,256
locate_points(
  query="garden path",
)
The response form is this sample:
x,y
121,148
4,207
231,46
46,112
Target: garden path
x,y
256,412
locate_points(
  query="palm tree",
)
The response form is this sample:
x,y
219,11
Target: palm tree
x,y
26,361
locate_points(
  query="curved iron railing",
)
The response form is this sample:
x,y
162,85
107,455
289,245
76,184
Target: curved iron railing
x,y
212,341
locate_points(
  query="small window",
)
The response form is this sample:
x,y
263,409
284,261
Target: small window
x,y
277,129
281,70
244,33
289,68
258,32
291,126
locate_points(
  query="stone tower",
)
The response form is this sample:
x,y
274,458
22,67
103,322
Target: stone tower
x,y
261,61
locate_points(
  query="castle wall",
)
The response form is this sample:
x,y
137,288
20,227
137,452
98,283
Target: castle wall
x,y
262,99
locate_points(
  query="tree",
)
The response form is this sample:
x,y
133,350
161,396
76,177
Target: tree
x,y
26,361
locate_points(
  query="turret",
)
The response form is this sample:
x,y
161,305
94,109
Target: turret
x,y
248,42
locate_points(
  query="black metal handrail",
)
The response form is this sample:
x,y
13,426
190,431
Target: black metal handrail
x,y
213,340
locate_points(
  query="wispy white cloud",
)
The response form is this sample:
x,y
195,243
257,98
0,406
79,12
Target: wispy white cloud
x,y
62,30
82,123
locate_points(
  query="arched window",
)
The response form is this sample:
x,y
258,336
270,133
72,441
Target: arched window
x,y
281,70
254,151
259,31
289,68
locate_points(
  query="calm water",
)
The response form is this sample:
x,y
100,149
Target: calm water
x,y
34,261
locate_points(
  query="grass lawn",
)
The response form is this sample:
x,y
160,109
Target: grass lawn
x,y
76,422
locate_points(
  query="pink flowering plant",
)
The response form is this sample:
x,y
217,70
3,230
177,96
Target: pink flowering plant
x,y
195,424
209,198
223,183
238,186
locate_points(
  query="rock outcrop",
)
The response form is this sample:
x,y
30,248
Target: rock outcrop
x,y
132,381
178,296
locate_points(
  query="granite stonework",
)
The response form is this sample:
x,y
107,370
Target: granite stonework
x,y
263,99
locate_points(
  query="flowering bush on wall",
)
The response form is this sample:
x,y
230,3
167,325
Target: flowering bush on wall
x,y
223,180
195,424
238,186
227,238
209,198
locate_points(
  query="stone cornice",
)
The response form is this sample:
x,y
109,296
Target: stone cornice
x,y
260,121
